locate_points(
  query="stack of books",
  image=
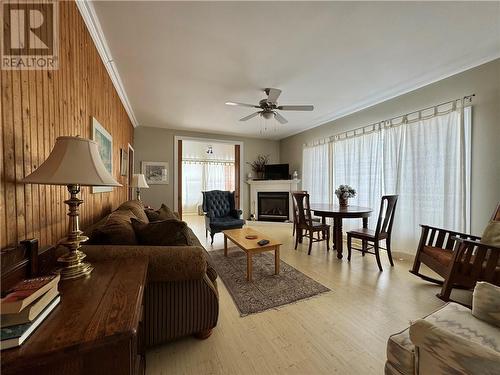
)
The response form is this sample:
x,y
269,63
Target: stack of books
x,y
25,307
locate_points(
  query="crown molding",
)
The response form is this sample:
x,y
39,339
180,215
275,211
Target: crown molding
x,y
446,72
94,27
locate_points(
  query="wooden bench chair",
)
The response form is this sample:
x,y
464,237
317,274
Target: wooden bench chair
x,y
295,214
459,258
305,225
370,238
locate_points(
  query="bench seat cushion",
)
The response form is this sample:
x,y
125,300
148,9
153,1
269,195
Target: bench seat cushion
x,y
443,256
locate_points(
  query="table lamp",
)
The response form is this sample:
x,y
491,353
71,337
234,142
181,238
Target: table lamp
x,y
73,162
138,181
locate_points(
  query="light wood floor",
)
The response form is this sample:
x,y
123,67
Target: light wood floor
x,y
343,331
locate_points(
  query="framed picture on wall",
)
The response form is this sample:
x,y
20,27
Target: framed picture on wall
x,y
156,172
104,142
123,162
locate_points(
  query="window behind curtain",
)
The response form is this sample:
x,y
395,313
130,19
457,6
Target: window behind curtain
x,y
427,163
316,166
204,176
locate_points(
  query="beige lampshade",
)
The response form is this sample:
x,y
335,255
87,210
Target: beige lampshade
x,y
139,181
73,161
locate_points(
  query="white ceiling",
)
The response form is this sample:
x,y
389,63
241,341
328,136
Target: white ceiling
x,y
181,61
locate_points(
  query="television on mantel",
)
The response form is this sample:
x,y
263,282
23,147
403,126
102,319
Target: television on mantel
x,y
276,172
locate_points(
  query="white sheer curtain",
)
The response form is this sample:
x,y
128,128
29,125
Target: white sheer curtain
x,y
203,176
316,167
427,163
192,185
433,182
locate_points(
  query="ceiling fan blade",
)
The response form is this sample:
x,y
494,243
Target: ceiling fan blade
x,y
280,118
272,95
249,116
242,104
295,107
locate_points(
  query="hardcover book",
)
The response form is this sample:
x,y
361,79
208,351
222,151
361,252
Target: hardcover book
x,y
25,292
29,313
14,336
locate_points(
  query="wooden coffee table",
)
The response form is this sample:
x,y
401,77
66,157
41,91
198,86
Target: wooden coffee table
x,y
251,247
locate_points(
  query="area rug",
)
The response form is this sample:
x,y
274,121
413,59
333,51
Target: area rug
x,y
267,290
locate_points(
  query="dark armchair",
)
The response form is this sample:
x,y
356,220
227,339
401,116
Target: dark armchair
x,y
220,212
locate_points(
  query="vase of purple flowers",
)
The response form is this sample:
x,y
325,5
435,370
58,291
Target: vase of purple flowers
x,y
343,193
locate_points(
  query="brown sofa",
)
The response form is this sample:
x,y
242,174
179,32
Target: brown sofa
x,y
181,296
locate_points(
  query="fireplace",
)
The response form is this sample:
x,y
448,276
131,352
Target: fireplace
x,y
273,206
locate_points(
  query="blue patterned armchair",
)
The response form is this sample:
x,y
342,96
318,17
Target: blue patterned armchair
x,y
220,212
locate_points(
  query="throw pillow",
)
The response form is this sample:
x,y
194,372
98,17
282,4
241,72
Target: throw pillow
x,y
170,232
486,303
137,207
117,230
491,234
163,213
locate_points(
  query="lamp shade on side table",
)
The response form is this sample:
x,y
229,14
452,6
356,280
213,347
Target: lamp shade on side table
x,y
139,181
73,162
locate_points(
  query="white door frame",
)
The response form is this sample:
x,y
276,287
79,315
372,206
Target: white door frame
x,y
178,138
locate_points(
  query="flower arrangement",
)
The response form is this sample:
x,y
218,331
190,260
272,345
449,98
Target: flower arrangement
x,y
343,193
259,164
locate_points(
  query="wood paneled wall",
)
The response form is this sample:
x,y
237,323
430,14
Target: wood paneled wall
x,y
39,106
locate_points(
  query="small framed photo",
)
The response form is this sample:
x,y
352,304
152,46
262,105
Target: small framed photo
x,y
156,172
105,144
123,162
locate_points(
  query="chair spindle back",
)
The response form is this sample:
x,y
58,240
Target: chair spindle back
x,y
386,215
303,209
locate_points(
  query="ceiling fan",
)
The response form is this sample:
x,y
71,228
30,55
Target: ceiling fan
x,y
269,107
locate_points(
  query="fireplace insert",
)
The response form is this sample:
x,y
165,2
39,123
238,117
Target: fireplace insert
x,y
273,206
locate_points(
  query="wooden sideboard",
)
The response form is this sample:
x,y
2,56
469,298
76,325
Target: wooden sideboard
x,y
96,329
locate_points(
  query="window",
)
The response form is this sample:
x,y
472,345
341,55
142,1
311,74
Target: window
x,y
316,166
201,176
425,162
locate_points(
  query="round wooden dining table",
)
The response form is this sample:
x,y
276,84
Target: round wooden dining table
x,y
339,213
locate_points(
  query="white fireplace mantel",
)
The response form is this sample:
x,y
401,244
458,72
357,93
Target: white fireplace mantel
x,y
274,186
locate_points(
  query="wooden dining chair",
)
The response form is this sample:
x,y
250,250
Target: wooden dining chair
x,y
460,259
294,208
382,232
305,226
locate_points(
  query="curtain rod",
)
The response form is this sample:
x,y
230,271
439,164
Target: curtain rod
x,y
212,161
404,119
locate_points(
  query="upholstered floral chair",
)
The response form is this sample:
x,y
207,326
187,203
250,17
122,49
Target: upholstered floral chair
x,y
452,340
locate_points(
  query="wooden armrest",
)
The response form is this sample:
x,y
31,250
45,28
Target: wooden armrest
x,y
455,233
442,229
475,242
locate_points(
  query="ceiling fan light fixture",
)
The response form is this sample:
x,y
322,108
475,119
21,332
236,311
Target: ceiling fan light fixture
x,y
268,106
267,114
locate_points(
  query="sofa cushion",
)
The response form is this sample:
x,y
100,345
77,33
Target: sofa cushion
x,y
192,237
458,320
163,213
116,230
453,341
170,232
400,354
137,207
486,303
90,230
